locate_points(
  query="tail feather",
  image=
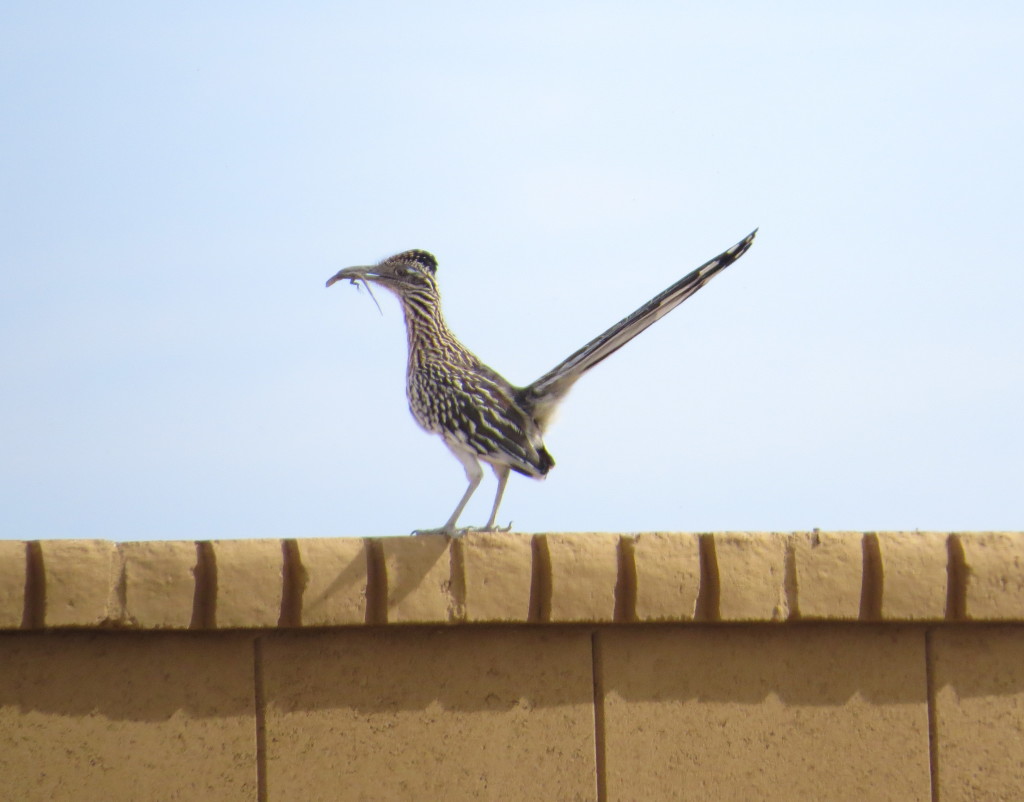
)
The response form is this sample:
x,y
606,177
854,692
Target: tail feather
x,y
541,397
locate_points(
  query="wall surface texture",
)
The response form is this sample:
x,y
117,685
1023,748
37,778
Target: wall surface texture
x,y
504,666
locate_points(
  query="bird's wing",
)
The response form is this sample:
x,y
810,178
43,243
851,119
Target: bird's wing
x,y
541,397
479,414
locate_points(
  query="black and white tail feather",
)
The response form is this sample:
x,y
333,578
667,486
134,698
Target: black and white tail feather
x,y
542,396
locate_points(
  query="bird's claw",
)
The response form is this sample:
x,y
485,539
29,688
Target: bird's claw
x,y
491,528
454,533
439,531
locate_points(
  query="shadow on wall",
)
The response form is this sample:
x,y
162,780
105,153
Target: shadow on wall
x,y
809,664
151,676
412,668
806,665
127,675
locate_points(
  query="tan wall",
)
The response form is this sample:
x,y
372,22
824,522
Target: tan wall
x,y
655,666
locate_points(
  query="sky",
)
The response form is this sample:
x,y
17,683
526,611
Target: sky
x,y
177,182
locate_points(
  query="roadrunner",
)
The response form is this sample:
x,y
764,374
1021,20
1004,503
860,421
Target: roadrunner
x,y
478,414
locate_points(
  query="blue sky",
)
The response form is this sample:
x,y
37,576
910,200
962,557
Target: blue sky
x,y
178,181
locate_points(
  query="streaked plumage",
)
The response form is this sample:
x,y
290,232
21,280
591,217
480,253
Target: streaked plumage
x,y
478,414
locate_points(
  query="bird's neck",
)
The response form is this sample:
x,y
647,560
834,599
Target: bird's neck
x,y
427,332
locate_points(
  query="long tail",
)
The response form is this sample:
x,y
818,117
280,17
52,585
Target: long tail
x,y
542,396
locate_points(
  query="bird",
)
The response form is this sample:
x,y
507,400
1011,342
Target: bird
x,y
481,416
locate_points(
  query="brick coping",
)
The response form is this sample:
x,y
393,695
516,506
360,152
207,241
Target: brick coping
x,y
513,578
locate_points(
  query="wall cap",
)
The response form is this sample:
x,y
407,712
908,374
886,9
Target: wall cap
x,y
515,578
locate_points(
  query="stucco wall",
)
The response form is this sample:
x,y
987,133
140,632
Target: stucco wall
x,y
503,666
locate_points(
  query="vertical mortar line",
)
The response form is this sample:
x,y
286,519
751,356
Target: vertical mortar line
x,y
293,577
709,593
540,581
259,701
376,583
956,579
33,614
204,597
933,727
625,585
597,670
118,601
790,579
872,579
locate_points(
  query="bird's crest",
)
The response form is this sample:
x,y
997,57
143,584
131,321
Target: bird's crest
x,y
424,259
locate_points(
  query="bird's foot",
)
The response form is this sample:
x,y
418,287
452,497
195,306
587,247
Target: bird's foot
x,y
452,532
489,528
441,530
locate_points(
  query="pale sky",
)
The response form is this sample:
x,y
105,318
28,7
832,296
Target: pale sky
x,y
178,181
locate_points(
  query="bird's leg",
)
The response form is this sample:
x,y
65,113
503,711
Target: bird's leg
x,y
501,472
474,474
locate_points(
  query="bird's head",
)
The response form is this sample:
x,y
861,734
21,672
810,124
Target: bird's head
x,y
404,273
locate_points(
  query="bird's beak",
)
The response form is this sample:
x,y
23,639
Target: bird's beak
x,y
353,274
